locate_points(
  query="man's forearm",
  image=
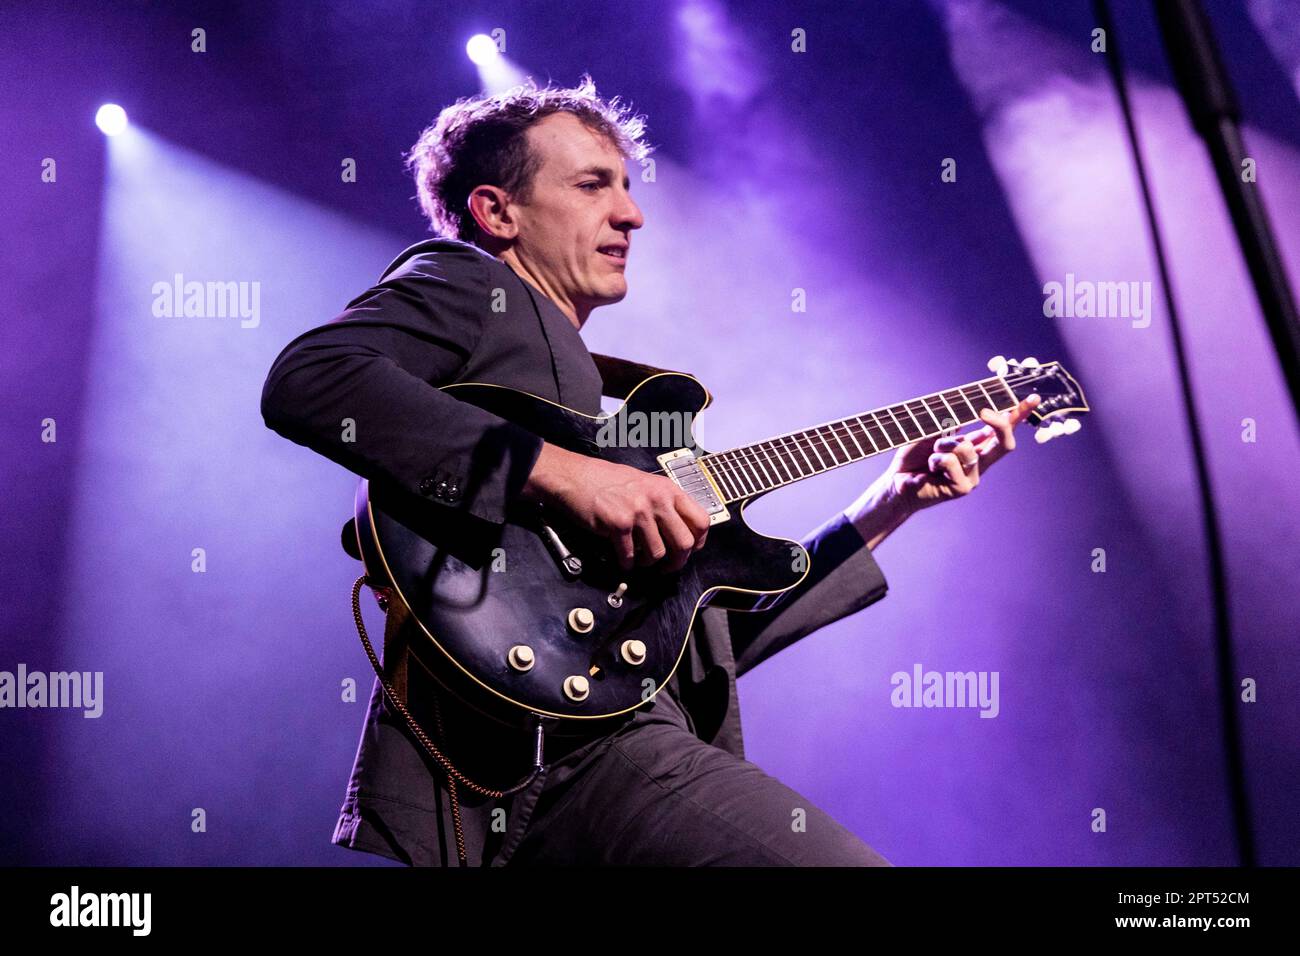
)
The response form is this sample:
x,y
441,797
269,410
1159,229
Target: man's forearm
x,y
877,512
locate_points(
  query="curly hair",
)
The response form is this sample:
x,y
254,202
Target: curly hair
x,y
480,140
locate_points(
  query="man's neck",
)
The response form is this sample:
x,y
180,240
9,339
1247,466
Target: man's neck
x,y
571,312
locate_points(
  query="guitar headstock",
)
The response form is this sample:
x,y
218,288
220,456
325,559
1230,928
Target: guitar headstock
x,y
1061,395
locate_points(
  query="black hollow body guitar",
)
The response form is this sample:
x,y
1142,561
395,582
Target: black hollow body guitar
x,y
535,617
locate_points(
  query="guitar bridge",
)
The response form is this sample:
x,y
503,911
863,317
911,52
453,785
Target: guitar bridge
x,y
691,477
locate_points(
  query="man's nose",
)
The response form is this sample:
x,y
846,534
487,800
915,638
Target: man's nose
x,y
628,215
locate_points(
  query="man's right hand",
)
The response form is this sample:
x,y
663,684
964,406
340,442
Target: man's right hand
x,y
646,517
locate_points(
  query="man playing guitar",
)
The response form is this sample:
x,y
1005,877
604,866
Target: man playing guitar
x,y
530,193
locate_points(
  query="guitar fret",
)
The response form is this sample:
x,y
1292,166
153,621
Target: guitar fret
x,y
849,429
1010,394
848,456
745,479
906,436
920,432
772,480
952,414
867,432
926,403
778,459
726,477
974,414
796,460
892,442
826,434
820,460
830,451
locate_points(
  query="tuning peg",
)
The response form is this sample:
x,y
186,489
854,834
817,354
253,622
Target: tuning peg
x,y
998,365
1050,430
1030,362
1072,425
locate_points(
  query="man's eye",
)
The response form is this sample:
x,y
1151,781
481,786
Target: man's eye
x,y
590,185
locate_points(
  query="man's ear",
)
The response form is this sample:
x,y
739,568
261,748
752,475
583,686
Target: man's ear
x,y
490,207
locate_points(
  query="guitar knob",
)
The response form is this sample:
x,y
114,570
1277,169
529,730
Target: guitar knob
x,y
998,365
616,598
521,657
581,620
576,687
633,652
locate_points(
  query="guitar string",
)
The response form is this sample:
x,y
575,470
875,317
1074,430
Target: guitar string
x,y
740,457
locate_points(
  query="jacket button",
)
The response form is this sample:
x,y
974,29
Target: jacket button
x,y
440,489
453,490
426,486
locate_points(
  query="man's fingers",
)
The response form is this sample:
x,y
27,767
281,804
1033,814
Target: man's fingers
x,y
961,446
626,548
650,547
696,518
679,539
948,467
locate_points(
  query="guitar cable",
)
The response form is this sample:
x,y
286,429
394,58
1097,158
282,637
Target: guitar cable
x,y
453,775
1216,558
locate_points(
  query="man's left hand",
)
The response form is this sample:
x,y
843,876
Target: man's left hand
x,y
925,473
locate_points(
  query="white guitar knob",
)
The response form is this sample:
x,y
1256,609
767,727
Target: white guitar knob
x,y
633,652
581,619
1072,425
1030,362
576,687
998,365
521,657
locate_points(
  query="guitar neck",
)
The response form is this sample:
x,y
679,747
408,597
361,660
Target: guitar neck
x,y
753,469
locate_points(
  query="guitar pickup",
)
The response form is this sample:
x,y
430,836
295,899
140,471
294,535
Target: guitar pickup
x,y
683,469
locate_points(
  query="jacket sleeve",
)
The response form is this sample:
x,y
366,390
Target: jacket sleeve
x,y
843,578
362,390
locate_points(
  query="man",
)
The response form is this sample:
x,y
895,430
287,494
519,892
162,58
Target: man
x,y
532,185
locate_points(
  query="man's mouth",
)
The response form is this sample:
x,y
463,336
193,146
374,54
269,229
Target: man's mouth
x,y
617,252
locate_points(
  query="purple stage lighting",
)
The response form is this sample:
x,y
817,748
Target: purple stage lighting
x,y
481,48
111,119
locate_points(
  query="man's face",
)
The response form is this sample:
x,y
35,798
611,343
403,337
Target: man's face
x,y
575,227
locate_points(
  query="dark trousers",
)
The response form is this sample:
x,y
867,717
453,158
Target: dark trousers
x,y
652,793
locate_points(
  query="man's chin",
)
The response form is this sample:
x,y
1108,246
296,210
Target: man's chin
x,y
611,293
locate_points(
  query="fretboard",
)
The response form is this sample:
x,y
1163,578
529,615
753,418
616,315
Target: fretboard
x,y
752,469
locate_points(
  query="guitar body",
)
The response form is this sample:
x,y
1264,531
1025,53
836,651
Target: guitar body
x,y
479,592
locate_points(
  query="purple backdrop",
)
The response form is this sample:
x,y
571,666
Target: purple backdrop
x,y
778,170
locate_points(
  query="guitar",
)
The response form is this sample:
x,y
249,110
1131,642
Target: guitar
x,y
536,617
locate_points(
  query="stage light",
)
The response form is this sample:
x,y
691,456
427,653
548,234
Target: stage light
x,y
111,119
481,48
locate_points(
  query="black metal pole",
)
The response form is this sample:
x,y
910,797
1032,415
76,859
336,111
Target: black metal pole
x,y
1205,89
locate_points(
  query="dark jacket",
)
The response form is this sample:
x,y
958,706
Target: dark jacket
x,y
443,312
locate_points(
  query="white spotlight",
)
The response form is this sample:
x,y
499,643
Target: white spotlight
x,y
111,119
481,48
